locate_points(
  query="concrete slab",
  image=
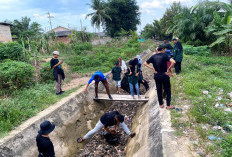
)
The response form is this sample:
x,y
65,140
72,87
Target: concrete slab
x,y
116,97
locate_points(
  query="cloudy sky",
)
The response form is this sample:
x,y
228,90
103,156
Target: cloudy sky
x,y
69,13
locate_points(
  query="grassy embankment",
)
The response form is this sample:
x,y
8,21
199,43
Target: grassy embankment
x,y
212,74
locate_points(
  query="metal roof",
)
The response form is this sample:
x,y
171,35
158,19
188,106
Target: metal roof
x,y
6,24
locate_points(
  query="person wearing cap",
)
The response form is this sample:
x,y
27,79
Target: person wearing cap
x,y
116,76
99,77
44,144
177,54
113,118
58,72
161,73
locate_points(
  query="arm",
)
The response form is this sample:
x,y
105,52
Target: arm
x,y
60,62
50,150
105,128
115,127
86,88
150,67
172,64
111,76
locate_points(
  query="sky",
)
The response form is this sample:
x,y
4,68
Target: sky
x,y
71,13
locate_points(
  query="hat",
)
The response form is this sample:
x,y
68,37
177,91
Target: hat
x,y
162,46
55,53
46,127
117,63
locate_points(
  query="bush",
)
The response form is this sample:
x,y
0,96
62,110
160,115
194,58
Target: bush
x,y
200,50
13,51
77,47
15,74
46,73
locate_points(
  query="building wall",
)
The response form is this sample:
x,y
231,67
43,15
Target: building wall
x,y
65,40
5,34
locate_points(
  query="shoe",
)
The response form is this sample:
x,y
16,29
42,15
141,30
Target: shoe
x,y
62,91
132,135
59,93
80,140
96,97
110,97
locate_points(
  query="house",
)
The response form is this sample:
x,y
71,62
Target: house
x,y
61,34
5,33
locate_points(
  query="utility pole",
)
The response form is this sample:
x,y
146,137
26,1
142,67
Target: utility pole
x,y
50,19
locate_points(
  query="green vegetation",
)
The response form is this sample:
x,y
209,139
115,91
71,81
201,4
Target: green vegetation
x,y
104,56
204,73
26,103
15,74
13,51
124,14
206,23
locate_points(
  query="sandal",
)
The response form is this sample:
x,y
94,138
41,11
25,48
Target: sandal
x,y
170,107
161,106
80,140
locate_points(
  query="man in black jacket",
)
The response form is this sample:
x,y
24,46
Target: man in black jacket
x,y
58,72
113,118
44,144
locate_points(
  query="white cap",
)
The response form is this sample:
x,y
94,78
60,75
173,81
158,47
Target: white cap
x,y
55,53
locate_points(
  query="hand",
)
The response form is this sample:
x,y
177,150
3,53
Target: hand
x,y
155,72
85,91
130,73
167,73
137,74
113,132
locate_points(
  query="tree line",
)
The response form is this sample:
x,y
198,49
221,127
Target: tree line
x,y
206,23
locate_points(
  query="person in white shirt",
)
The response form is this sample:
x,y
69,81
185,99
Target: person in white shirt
x,y
122,64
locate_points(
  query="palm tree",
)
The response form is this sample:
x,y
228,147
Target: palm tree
x,y
99,15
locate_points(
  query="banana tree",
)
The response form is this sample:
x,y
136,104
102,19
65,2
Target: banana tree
x,y
221,27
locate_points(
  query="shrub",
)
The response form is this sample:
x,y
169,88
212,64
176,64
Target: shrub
x,y
77,47
200,50
15,74
12,51
46,73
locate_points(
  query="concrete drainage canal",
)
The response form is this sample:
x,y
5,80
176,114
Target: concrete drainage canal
x,y
75,115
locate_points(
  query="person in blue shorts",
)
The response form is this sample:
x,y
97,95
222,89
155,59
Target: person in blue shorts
x,y
99,77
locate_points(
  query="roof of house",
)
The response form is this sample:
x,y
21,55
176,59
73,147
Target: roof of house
x,y
61,31
6,24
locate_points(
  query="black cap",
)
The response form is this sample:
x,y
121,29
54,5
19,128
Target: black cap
x,y
46,127
117,63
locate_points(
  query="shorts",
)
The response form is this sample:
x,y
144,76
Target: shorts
x,y
117,83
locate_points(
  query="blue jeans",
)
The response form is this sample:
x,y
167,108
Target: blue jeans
x,y
132,88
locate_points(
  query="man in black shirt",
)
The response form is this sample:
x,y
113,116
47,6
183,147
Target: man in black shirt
x,y
161,73
44,144
58,72
113,118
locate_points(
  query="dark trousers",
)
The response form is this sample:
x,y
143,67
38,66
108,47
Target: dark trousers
x,y
162,80
178,67
145,84
105,83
